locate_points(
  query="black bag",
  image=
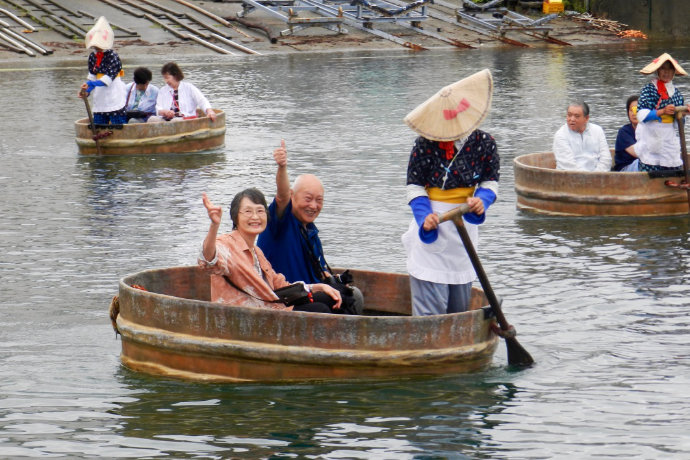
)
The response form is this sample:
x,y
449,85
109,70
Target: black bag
x,y
137,114
340,282
293,294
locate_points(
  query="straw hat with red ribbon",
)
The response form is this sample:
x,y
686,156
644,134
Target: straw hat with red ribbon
x,y
100,36
455,111
658,62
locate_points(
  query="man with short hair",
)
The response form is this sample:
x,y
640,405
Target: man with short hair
x,y
579,145
291,240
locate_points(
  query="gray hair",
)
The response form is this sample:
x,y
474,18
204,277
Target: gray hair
x,y
583,104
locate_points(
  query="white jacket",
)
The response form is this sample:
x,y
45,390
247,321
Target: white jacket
x,y
586,151
189,98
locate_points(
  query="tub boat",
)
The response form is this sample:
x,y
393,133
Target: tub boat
x,y
186,136
543,189
169,327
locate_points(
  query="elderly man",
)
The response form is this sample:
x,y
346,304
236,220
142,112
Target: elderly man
x,y
291,240
579,145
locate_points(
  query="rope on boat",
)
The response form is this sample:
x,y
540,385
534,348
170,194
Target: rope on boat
x,y
102,135
114,311
505,333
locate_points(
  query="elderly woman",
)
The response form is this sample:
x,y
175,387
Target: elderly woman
x,y
179,100
625,159
452,162
658,145
104,80
241,275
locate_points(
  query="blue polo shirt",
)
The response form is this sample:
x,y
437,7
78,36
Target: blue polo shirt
x,y
285,247
625,138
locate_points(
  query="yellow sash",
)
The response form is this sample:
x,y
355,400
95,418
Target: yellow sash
x,y
101,75
454,195
667,118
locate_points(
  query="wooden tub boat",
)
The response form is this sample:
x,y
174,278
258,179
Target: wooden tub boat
x,y
542,189
171,329
185,136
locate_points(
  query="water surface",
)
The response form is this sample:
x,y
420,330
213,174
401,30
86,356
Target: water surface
x,y
601,304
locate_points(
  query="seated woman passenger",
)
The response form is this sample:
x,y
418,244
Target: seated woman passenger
x,y
141,97
625,158
178,100
241,274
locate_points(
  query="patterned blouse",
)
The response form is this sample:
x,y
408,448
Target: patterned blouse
x,y
477,162
109,64
650,97
237,261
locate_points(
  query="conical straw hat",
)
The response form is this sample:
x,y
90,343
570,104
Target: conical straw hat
x,y
456,110
658,62
101,35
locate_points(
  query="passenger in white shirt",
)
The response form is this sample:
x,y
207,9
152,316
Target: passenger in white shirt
x,y
179,100
579,145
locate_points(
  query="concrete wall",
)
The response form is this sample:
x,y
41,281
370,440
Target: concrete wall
x,y
656,18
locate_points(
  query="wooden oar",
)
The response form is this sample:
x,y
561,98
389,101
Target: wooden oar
x,y
680,115
93,125
517,355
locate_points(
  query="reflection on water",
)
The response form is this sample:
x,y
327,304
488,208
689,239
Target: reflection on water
x,y
601,304
399,419
650,255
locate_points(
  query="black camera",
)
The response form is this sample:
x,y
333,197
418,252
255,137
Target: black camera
x,y
345,277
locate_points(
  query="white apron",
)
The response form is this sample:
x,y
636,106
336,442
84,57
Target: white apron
x,y
445,260
109,98
658,144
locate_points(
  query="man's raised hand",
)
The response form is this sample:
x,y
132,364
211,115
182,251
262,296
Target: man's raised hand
x,y
280,154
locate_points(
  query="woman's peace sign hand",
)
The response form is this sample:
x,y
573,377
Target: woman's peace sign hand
x,y
214,212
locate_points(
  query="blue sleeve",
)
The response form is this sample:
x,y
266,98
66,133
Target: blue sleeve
x,y
91,84
488,197
651,116
421,207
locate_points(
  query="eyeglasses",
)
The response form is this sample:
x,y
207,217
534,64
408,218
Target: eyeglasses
x,y
261,212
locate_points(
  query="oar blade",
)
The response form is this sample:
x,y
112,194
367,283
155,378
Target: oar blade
x,y
517,356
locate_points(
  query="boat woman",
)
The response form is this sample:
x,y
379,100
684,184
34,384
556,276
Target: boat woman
x,y
658,145
104,80
241,274
452,162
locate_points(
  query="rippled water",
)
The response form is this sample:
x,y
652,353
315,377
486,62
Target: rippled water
x,y
601,304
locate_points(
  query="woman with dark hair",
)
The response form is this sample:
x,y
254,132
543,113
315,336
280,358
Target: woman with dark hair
x,y
179,100
141,96
625,158
241,274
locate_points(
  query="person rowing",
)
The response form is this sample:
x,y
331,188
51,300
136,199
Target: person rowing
x,y
452,162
